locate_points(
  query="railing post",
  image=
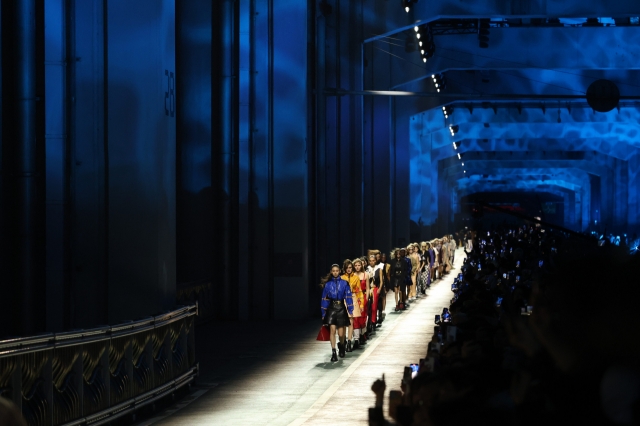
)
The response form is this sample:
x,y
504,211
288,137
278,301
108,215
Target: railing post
x,y
106,372
16,383
47,385
128,355
77,377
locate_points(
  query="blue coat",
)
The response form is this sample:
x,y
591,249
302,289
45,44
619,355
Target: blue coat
x,y
336,289
407,278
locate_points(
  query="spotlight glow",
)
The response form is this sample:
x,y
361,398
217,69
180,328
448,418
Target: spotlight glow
x,y
459,156
424,60
418,35
422,52
433,76
420,43
406,9
455,146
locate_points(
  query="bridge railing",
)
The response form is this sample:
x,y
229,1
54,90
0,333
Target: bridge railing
x,y
95,376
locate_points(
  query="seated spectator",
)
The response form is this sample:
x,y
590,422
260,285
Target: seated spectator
x,y
542,331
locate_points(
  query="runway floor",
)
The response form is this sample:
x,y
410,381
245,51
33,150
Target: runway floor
x,y
279,374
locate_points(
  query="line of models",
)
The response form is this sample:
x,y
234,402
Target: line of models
x,y
354,296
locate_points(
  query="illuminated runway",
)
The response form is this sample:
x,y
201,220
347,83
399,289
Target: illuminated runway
x,y
284,377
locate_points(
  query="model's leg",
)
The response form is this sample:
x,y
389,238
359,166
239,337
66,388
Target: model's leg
x,y
342,346
413,285
397,291
332,335
384,300
374,308
350,332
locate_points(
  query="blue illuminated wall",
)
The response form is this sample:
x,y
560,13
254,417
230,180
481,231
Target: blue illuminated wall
x,y
141,149
121,194
528,148
199,142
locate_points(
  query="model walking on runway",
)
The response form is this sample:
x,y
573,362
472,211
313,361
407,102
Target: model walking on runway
x,y
356,318
412,249
398,272
358,264
335,292
375,281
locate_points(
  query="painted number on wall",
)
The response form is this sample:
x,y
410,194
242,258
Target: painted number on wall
x,y
169,95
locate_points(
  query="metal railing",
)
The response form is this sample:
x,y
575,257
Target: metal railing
x,y
198,292
91,377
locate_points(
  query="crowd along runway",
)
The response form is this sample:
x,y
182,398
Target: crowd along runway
x,y
284,376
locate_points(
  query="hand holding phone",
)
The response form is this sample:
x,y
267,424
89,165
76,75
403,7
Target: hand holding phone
x,y
395,400
414,370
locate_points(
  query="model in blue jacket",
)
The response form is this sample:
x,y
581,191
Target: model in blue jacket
x,y
336,289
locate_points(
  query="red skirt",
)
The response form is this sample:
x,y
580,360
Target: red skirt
x,y
374,305
360,322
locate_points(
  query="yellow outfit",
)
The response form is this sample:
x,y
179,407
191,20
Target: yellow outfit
x,y
356,292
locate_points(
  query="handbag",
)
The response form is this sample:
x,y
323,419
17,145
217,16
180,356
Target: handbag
x,y
323,334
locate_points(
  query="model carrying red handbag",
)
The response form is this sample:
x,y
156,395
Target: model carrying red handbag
x,y
323,334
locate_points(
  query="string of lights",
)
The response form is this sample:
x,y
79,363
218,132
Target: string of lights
x,y
425,42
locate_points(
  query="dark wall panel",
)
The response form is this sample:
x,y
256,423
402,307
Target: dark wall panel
x,y
88,193
196,240
141,157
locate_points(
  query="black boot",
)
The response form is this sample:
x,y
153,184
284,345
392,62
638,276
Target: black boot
x,y
341,348
334,356
356,344
349,349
